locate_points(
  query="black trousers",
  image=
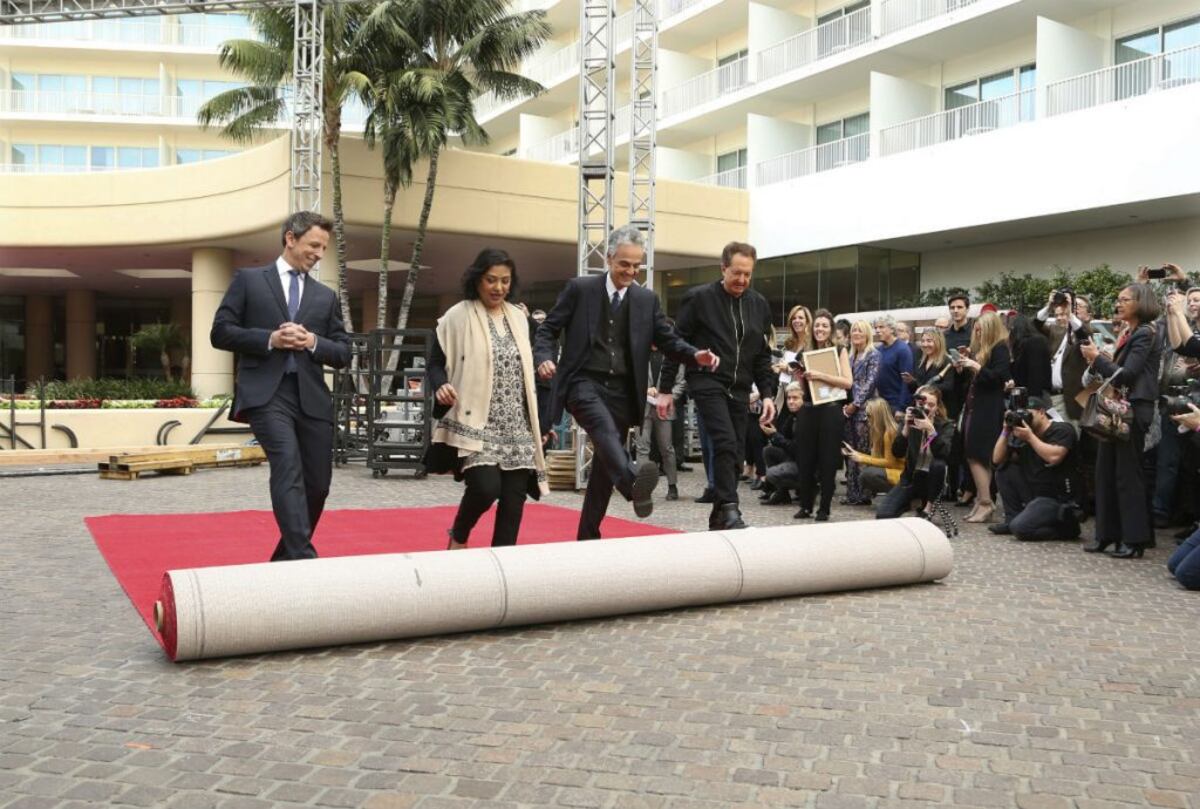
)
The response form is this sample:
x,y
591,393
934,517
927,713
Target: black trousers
x,y
923,486
819,452
602,409
1122,506
1032,518
487,485
299,450
725,420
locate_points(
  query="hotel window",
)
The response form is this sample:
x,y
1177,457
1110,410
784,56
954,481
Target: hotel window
x,y
839,132
728,165
195,92
1174,69
737,75
999,87
136,157
183,156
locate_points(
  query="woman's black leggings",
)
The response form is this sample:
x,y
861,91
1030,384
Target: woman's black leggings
x,y
486,485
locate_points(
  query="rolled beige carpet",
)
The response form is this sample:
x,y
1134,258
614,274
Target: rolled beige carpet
x,y
247,609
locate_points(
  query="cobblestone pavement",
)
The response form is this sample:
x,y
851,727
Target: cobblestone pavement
x,y
1035,676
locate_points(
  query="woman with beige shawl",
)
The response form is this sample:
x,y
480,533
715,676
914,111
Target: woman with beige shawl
x,y
487,432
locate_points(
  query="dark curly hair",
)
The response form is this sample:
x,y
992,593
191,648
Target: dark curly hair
x,y
488,257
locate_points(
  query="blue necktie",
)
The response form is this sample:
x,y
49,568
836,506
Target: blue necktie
x,y
289,366
616,303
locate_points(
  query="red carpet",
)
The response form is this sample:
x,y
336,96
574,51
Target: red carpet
x,y
139,548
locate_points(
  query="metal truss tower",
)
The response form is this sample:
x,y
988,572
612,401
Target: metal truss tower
x,y
643,124
597,83
307,63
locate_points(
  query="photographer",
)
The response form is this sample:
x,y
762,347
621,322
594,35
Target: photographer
x,y
924,443
1033,467
1064,334
1184,563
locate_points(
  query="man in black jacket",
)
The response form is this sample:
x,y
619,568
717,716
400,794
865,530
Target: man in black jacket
x,y
284,326
609,323
734,321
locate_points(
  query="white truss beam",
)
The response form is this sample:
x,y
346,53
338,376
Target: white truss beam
x,y
643,128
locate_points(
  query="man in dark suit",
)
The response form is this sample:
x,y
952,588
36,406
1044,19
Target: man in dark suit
x,y
609,323
284,326
1064,331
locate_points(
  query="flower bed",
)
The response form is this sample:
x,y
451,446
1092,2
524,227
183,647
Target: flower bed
x,y
32,403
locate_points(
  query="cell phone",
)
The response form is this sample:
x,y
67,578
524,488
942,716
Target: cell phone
x,y
1157,272
963,350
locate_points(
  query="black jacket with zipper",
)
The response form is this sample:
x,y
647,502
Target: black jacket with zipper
x,y
708,318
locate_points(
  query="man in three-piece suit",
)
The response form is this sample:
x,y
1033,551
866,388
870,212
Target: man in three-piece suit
x,y
284,326
609,324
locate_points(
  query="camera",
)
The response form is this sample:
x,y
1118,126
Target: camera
x,y
1018,399
796,365
1179,398
1016,413
910,415
1062,296
1157,272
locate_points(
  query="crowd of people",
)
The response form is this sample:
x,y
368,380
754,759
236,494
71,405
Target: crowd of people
x,y
1024,419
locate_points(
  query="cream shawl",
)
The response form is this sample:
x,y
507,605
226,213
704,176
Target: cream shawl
x,y
467,343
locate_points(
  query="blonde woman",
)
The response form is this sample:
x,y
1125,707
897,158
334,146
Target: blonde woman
x,y
989,363
799,340
864,371
933,367
882,467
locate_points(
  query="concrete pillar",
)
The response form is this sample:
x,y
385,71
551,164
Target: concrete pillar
x,y
39,337
81,334
212,370
367,321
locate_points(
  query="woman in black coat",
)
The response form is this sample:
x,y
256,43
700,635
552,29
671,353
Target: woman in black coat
x,y
1030,357
1121,515
983,415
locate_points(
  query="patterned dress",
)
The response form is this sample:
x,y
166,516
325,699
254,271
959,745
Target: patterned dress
x,y
508,441
858,432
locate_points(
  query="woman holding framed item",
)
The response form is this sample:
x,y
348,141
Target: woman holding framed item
x,y
481,370
828,378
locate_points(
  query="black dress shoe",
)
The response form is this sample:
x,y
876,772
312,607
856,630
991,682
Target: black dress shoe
x,y
682,467
672,492
756,485
779,498
822,516
1124,551
645,478
1097,546
802,514
726,518
707,496
1000,528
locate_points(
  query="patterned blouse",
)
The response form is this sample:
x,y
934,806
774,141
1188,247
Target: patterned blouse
x,y
866,371
508,441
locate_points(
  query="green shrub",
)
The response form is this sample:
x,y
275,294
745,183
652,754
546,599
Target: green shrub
x,y
113,388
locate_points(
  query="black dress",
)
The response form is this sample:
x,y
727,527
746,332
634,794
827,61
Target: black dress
x,y
983,416
1031,366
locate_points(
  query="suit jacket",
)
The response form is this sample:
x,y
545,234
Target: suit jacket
x,y
1073,364
576,314
1138,359
253,307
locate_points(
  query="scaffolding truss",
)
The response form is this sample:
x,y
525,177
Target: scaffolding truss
x,y
642,128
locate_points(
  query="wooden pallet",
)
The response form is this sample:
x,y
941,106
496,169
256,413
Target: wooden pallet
x,y
560,469
179,460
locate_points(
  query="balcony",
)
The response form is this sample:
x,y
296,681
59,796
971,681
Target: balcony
x,y
815,44
547,71
60,168
961,122
1154,73
730,178
561,148
896,15
144,32
52,104
707,87
804,162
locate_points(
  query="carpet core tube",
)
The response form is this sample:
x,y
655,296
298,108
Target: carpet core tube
x,y
249,609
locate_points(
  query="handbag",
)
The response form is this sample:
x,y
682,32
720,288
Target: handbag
x,y
1107,415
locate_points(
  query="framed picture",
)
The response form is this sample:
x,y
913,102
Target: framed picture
x,y
824,360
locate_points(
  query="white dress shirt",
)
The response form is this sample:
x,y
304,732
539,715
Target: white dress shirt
x,y
284,269
611,288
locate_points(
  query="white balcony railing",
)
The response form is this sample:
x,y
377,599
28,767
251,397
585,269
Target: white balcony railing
x,y
669,8
973,119
1160,72
546,71
730,178
36,102
804,162
728,78
898,14
136,31
562,146
815,44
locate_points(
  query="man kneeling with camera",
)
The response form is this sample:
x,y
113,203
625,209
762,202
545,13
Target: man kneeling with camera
x,y
1033,464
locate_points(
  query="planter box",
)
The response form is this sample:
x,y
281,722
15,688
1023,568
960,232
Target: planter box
x,y
102,429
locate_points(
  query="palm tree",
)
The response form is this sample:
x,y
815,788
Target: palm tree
x,y
267,64
431,60
163,339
